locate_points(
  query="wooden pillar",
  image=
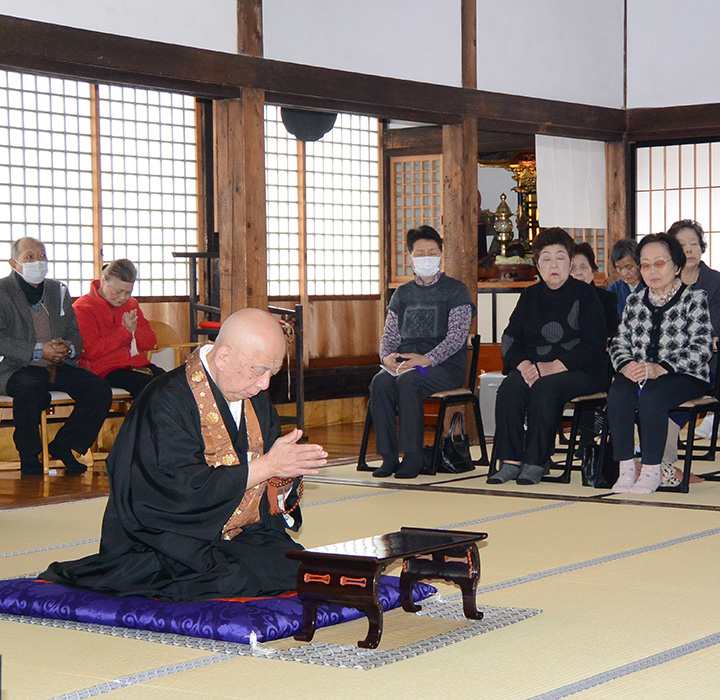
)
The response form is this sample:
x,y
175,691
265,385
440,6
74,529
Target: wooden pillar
x,y
469,43
240,191
460,214
239,129
619,193
249,21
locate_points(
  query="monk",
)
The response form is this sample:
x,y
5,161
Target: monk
x,y
202,485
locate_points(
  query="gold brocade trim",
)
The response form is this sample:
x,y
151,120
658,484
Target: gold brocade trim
x,y
219,450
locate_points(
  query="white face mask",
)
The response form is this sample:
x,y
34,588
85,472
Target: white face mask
x,y
426,266
33,272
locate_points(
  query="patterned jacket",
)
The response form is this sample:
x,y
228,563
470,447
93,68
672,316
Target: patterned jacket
x,y
677,336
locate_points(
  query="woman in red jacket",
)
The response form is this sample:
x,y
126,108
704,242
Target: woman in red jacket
x,y
115,332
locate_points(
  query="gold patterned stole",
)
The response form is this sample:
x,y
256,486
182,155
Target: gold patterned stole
x,y
219,450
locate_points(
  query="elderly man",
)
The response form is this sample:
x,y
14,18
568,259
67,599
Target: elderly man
x,y
39,343
198,473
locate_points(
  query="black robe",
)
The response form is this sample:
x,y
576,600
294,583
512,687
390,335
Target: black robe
x,y
161,533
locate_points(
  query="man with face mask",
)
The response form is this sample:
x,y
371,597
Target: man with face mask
x,y
39,344
422,350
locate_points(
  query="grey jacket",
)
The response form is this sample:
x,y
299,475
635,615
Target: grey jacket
x,y
17,332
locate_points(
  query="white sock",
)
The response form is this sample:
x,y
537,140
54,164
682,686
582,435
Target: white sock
x,y
649,479
626,479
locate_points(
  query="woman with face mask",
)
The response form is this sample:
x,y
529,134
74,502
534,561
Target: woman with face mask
x,y
422,351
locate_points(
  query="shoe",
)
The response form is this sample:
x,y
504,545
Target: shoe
x,y
626,480
648,481
389,466
704,430
30,466
669,475
530,474
411,466
65,455
507,472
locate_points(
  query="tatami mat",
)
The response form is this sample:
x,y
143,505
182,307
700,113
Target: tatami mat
x,y
705,494
627,594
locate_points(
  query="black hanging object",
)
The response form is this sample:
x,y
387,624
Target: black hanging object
x,y
306,125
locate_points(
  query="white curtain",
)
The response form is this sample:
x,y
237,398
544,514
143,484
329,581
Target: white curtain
x,y
570,182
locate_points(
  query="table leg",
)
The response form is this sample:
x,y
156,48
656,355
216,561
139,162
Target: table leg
x,y
375,626
307,632
460,565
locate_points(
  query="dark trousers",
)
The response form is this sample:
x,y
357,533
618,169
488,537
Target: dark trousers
x,y
402,396
540,407
30,388
653,403
131,380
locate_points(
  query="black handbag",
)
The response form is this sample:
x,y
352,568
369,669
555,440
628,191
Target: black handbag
x,y
454,457
596,473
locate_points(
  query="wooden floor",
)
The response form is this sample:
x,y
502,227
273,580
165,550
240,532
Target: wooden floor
x,y
340,441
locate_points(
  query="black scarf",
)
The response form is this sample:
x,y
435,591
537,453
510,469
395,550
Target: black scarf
x,y
33,294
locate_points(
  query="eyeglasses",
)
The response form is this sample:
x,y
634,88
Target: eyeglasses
x,y
658,265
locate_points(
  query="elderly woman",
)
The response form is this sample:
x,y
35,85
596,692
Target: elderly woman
x,y
625,260
423,349
690,235
116,334
553,350
583,268
698,275
661,356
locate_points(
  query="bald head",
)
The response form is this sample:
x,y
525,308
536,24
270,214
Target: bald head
x,y
251,330
249,349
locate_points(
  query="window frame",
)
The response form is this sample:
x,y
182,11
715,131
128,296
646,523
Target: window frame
x,y
194,240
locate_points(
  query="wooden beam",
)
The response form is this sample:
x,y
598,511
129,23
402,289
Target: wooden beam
x,y
618,187
673,123
250,27
493,141
240,192
468,11
77,53
460,214
413,141
410,141
530,115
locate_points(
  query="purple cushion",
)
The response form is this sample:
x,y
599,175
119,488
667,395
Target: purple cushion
x,y
224,620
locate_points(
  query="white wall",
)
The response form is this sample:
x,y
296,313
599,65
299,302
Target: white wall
x,y
204,24
568,50
673,52
409,39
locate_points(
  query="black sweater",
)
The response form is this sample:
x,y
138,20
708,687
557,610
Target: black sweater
x,y
566,324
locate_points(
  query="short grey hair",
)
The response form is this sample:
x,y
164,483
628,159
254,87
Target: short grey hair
x,y
15,245
122,269
622,249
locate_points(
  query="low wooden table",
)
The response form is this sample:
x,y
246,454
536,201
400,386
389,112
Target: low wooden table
x,y
348,573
